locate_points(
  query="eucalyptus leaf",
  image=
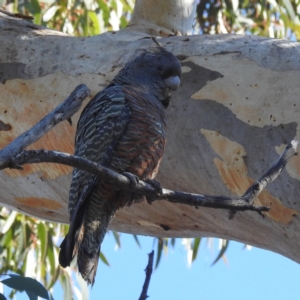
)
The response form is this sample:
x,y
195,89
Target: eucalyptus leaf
x,y
103,258
2,297
159,252
43,237
27,284
49,14
94,22
224,247
11,218
196,248
31,296
117,238
136,240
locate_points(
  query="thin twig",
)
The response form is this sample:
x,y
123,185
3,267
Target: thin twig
x,y
148,271
242,203
273,172
62,112
245,202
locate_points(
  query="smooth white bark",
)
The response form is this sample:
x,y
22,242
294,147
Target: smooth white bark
x,y
164,18
236,108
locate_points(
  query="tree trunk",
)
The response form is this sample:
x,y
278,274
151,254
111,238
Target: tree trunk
x,y
237,106
163,18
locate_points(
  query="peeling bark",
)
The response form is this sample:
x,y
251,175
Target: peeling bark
x,y
237,107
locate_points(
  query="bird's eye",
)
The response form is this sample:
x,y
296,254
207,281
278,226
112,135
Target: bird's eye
x,y
159,69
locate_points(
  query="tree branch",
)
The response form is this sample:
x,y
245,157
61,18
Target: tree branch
x,y
62,112
148,271
11,156
39,156
243,203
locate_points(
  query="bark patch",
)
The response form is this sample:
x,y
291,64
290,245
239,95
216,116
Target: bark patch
x,y
233,171
39,202
12,70
4,126
194,80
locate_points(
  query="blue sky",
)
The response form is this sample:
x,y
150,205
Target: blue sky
x,y
255,274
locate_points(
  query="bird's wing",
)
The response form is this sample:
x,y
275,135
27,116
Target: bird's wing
x,y
101,124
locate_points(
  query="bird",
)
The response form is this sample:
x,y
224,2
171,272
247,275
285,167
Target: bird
x,y
123,129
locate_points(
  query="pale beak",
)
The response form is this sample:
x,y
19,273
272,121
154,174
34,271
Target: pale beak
x,y
172,82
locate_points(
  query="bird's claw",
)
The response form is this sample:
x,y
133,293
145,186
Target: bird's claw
x,y
158,190
134,180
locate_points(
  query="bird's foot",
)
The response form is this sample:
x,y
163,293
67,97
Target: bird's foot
x,y
158,189
134,180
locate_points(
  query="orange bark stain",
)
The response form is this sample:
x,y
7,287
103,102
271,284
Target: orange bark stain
x,y
233,171
39,202
5,139
238,183
278,212
25,106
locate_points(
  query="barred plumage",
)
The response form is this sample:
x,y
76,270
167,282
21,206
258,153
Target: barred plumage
x,y
122,128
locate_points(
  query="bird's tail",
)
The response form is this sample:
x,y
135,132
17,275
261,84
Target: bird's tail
x,y
97,218
86,241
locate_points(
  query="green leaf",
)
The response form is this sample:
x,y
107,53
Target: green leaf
x,y
106,12
34,7
104,260
2,297
8,237
27,284
123,21
173,241
43,237
117,238
128,5
224,247
65,282
51,297
289,7
49,14
9,221
50,255
196,248
94,22
136,240
21,260
159,252
85,23
32,296
54,278
165,245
